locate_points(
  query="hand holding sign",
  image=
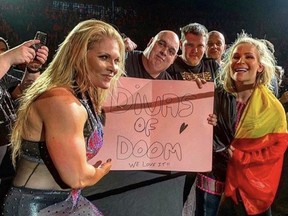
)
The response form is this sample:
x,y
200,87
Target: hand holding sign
x,y
159,125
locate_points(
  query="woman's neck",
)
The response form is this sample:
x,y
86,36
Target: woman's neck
x,y
244,92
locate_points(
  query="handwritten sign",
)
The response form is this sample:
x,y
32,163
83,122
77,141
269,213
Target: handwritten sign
x,y
158,125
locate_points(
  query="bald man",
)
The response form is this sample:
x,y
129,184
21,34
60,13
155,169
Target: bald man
x,y
215,46
159,54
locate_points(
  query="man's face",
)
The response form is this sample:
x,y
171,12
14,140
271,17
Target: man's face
x,y
161,52
215,46
193,48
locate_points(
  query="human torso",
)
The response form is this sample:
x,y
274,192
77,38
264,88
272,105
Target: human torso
x,y
135,68
225,109
206,69
36,169
7,107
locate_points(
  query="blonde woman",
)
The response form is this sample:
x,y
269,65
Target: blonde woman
x,y
258,126
59,126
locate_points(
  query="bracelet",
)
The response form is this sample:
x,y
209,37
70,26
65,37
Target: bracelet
x,y
32,70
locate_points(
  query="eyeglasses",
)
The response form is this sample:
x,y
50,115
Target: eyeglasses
x,y
163,44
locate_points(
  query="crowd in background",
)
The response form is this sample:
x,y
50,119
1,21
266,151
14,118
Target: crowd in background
x,y
20,19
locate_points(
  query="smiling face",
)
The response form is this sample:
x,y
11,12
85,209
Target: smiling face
x,y
193,48
245,64
103,61
160,52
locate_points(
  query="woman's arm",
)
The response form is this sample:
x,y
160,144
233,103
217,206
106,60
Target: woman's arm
x,y
63,118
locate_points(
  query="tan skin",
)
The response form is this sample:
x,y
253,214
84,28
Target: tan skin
x,y
160,53
63,130
22,54
215,46
193,48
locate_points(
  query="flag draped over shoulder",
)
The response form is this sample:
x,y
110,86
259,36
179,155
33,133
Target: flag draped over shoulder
x,y
260,143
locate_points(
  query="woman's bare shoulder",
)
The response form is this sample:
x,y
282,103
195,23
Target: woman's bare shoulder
x,y
56,92
58,99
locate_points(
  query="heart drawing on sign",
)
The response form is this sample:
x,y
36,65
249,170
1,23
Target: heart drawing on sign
x,y
183,127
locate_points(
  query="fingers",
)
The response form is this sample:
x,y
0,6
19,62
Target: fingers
x,y
42,54
97,164
200,82
21,54
231,150
203,81
104,167
30,43
129,44
212,119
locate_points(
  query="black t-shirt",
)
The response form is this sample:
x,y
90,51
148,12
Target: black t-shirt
x,y
135,68
224,131
207,68
7,106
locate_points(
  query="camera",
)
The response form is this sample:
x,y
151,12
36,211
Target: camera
x,y
42,36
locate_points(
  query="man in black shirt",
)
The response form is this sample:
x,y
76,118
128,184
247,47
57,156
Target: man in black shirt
x,y
191,63
153,62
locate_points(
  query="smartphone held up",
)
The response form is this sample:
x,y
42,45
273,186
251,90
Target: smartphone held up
x,y
35,65
42,36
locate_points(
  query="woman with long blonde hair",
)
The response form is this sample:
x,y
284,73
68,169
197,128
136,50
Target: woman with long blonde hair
x,y
59,125
255,125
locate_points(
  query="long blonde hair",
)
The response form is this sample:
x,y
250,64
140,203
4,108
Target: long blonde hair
x,y
266,58
68,66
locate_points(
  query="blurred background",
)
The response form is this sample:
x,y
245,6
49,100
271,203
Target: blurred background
x,y
140,20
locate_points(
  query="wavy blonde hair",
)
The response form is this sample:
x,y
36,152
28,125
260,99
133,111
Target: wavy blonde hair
x,y
68,66
265,57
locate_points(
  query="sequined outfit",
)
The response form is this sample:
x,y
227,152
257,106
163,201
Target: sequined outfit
x,y
28,201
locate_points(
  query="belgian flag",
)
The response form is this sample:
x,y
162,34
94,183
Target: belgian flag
x,y
260,143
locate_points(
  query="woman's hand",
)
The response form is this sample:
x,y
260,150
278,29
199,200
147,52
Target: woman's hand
x,y
102,168
231,150
212,119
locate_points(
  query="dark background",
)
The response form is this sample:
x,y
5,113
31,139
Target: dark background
x,y
140,20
